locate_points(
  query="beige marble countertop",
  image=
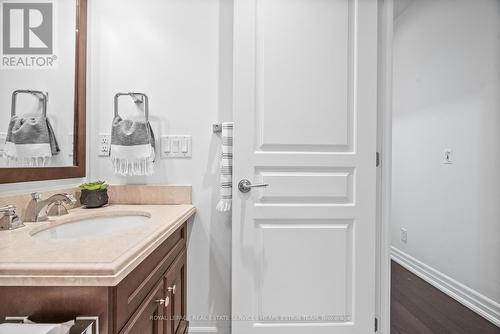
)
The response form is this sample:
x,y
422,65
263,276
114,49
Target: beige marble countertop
x,y
93,261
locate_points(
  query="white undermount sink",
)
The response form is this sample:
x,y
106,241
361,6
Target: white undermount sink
x,y
92,227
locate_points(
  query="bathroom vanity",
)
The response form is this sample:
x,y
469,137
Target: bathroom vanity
x,y
133,278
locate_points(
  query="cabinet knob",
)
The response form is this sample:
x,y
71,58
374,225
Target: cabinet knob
x,y
172,289
164,302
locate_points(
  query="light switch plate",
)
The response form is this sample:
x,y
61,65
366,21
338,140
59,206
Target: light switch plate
x,y
176,146
448,156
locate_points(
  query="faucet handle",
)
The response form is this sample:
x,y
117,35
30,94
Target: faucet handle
x,y
10,220
36,196
71,198
9,209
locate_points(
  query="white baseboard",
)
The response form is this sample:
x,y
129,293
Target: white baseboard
x,y
203,329
482,305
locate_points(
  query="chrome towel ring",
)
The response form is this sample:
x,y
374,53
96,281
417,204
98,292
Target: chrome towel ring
x,y
43,97
137,98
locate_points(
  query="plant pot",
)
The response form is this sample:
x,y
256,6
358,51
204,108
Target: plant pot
x,y
94,198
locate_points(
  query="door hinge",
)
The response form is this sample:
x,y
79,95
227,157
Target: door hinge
x,y
377,159
376,325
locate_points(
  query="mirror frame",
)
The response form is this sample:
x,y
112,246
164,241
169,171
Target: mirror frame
x,y
12,175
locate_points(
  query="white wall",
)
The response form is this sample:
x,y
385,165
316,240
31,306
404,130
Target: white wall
x,y
446,95
179,53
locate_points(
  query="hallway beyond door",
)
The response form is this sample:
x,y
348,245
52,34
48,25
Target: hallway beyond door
x,y
419,308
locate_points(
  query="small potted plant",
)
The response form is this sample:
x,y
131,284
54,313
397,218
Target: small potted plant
x,y
94,194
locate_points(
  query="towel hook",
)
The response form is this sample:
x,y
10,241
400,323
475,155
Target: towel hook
x,y
137,98
43,97
216,127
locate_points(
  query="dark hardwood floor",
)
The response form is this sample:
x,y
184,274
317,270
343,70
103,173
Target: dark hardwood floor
x,y
419,308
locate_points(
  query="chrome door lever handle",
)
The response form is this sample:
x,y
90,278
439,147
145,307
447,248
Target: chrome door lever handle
x,y
245,185
164,302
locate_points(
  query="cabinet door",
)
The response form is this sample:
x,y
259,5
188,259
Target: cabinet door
x,y
175,289
148,319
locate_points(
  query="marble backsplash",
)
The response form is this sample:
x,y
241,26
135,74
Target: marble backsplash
x,y
118,194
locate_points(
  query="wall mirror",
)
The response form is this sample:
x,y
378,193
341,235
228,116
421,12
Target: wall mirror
x,y
42,89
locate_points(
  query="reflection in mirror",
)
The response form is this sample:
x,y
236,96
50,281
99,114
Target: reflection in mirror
x,y
37,83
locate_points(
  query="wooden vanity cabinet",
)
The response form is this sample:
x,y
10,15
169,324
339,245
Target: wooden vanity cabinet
x,y
151,299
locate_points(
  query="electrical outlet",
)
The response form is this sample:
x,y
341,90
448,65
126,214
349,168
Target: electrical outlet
x,y
448,156
104,145
3,138
404,235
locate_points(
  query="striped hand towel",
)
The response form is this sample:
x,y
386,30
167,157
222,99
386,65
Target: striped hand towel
x,y
226,168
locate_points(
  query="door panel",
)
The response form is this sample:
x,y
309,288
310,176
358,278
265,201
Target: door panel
x,y
175,289
326,186
289,252
148,317
297,43
305,123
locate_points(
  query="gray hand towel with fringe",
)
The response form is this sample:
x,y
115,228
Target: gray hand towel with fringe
x,y
132,147
31,141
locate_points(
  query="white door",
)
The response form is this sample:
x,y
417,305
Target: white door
x,y
305,123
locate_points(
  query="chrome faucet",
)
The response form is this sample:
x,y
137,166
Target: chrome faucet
x,y
9,220
38,209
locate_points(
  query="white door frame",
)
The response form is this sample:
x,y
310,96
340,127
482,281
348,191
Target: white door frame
x,y
384,146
